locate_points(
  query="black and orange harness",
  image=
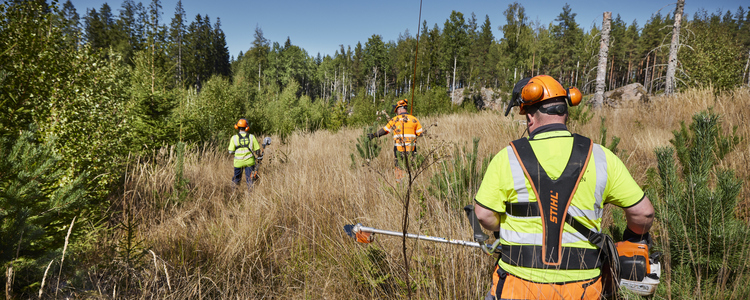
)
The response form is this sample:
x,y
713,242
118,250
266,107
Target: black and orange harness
x,y
552,206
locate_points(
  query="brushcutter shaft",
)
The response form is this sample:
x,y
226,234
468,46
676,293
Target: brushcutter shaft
x,y
417,236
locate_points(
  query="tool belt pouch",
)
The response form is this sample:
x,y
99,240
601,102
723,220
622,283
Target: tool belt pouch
x,y
610,267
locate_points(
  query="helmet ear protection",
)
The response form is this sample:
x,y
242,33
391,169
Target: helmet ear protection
x,y
532,92
242,125
542,88
574,96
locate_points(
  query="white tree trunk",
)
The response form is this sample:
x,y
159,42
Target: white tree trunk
x,y
746,67
674,47
374,81
454,76
601,70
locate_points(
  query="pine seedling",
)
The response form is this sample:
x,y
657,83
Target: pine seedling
x,y
615,140
697,203
368,149
180,184
458,180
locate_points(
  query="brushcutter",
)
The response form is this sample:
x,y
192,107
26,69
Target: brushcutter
x,y
266,142
638,271
366,235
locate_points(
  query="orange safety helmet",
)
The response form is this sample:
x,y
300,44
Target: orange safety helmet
x,y
541,88
401,103
242,125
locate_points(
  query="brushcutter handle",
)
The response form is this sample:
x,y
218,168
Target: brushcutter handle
x,y
479,235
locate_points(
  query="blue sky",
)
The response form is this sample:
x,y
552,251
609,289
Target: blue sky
x,y
320,26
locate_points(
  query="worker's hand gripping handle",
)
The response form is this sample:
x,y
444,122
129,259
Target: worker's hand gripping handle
x,y
479,235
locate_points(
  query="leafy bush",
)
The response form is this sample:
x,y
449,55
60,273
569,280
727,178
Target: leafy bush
x,y
337,117
718,49
213,112
433,102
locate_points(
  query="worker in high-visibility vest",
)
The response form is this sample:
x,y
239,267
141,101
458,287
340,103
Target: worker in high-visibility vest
x,y
405,128
246,150
544,197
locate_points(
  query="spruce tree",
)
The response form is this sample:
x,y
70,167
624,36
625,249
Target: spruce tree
x,y
36,206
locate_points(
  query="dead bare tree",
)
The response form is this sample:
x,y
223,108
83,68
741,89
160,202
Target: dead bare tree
x,y
602,67
675,46
744,75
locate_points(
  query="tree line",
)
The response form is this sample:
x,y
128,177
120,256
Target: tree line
x,y
461,54
82,95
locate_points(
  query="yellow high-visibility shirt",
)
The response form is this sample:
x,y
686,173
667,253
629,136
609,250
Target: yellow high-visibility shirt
x,y
605,180
241,145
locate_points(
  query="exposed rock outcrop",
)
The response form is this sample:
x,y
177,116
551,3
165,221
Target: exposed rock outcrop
x,y
485,99
629,94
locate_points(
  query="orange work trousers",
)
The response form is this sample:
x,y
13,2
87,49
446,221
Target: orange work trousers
x,y
512,287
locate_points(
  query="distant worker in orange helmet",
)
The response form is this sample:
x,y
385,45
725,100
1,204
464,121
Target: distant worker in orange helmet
x,y
246,151
405,128
544,197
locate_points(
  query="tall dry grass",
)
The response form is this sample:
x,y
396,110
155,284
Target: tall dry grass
x,y
285,239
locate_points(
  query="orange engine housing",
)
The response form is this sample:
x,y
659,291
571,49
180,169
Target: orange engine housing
x,y
634,260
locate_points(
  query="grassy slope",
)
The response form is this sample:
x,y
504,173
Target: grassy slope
x,y
285,239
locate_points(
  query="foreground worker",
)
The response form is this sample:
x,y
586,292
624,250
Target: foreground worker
x,y
245,148
406,128
545,195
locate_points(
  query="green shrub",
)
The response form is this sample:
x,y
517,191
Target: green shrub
x,y
433,102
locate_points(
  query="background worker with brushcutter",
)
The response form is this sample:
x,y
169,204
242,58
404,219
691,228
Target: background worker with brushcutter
x,y
544,195
246,150
406,128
